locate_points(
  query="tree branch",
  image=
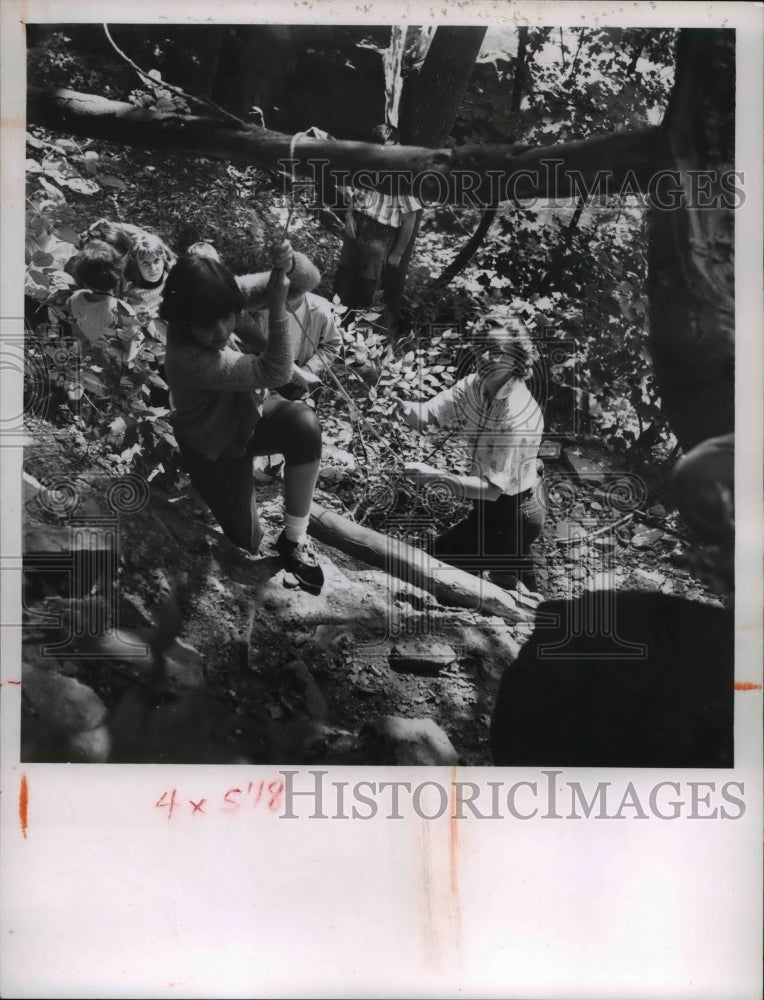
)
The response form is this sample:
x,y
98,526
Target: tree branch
x,y
518,79
468,251
477,175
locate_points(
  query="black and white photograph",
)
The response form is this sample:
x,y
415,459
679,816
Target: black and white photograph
x,y
375,405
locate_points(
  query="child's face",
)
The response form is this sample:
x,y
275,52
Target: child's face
x,y
151,267
214,335
493,366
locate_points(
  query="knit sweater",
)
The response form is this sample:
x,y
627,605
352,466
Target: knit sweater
x,y
217,395
145,300
98,314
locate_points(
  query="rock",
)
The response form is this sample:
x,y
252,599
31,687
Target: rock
x,y
549,449
303,683
643,539
334,639
48,539
417,656
63,703
601,581
646,580
657,511
577,512
32,488
565,532
91,747
392,740
67,559
582,468
594,505
183,665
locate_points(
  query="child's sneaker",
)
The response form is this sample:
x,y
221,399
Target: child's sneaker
x,y
300,560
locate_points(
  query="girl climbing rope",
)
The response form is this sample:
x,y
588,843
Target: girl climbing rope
x,y
220,418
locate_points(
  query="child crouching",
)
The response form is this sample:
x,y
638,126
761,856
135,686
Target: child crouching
x,y
504,426
220,417
98,313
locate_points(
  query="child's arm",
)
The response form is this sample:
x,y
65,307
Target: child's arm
x,y
300,271
329,343
252,331
464,487
447,407
413,413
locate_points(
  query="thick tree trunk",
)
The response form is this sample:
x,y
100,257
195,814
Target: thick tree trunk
x,y
448,585
431,98
691,266
472,245
482,173
430,102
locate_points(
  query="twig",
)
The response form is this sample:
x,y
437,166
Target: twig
x,y
594,534
204,102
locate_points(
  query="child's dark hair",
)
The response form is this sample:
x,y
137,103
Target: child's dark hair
x,y
108,232
385,133
99,267
198,289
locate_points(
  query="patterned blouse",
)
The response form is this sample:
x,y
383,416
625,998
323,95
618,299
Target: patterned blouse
x,y
503,434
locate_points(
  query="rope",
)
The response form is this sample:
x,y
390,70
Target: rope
x,y
204,102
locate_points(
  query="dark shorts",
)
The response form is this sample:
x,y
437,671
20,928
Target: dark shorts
x,y
497,535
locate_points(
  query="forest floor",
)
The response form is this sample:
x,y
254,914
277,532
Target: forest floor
x,y
291,677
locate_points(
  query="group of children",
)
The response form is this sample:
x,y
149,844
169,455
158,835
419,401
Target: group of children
x,y
230,339
243,351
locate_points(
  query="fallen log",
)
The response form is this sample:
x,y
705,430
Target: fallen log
x,y
447,584
473,175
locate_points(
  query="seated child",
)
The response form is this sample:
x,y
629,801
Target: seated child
x,y
98,313
313,334
146,267
504,426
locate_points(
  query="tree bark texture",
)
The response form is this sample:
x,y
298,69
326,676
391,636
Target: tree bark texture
x,y
448,585
432,97
691,247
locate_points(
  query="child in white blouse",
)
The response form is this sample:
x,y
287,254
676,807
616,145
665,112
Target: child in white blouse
x,y
503,425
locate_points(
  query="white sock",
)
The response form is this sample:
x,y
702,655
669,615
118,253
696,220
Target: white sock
x,y
296,528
